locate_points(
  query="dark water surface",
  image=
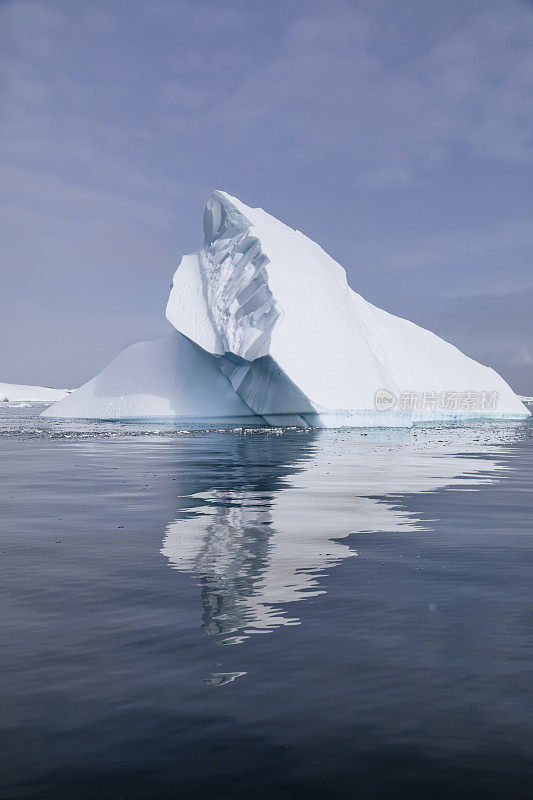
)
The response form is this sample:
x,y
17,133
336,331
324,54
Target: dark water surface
x,y
265,614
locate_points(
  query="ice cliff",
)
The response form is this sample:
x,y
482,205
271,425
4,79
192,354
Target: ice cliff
x,y
267,325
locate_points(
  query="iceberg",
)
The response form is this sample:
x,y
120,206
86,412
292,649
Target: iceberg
x,y
265,328
300,347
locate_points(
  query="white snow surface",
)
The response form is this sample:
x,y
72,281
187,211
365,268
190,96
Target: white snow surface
x,y
17,393
298,345
169,377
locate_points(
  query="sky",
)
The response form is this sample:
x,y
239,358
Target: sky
x,y
396,133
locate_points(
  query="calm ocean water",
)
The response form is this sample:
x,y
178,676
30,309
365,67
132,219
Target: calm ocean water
x,y
265,614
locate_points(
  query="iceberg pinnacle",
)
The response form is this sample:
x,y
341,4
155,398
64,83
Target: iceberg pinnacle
x,y
299,346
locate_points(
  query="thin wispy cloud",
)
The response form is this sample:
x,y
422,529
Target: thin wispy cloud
x,y
446,249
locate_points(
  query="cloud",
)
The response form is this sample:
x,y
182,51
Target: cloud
x,y
452,248
118,118
396,89
397,100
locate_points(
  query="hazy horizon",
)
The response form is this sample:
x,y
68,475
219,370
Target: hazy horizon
x,y
399,136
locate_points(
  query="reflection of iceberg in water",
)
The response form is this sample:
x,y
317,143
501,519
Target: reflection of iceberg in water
x,y
268,540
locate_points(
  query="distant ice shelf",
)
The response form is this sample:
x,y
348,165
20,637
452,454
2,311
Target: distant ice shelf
x,y
266,328
17,393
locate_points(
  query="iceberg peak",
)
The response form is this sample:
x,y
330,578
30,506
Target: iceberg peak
x,y
298,344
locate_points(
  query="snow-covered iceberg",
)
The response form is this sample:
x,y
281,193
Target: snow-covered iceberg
x,y
18,392
299,346
267,329
169,377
